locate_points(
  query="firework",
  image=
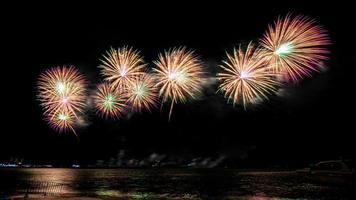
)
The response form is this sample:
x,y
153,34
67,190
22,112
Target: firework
x,y
121,66
179,75
62,120
108,101
295,47
142,93
245,79
62,91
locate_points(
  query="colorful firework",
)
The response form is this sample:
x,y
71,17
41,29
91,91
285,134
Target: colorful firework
x,y
108,101
121,66
142,93
62,120
179,75
295,47
245,78
62,91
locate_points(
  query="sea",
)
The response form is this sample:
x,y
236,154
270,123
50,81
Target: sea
x,y
157,183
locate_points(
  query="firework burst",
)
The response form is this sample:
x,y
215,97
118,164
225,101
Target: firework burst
x,y
62,92
108,101
245,79
142,93
121,66
179,74
295,47
62,120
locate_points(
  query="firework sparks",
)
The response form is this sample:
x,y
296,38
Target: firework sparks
x,y
121,66
62,93
108,101
245,78
142,93
62,120
179,75
295,47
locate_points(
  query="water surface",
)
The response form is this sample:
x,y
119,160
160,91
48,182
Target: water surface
x,y
173,184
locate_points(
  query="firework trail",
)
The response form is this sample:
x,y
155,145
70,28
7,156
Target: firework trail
x,y
142,93
179,74
295,47
61,91
245,79
108,101
121,66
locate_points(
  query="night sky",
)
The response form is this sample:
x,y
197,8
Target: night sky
x,y
310,121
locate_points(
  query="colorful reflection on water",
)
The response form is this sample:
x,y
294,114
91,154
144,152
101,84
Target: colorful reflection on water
x,y
171,184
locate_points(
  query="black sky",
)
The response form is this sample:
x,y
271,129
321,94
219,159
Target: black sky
x,y
312,120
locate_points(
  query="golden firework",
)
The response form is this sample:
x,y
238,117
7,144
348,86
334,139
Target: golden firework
x,y
245,78
108,101
142,93
61,91
121,66
62,120
179,74
295,47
